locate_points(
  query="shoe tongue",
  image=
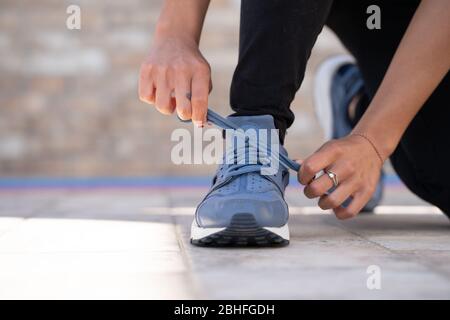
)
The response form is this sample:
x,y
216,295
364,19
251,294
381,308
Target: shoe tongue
x,y
259,123
255,122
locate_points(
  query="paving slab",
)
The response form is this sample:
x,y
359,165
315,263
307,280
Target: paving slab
x,y
134,244
324,260
86,245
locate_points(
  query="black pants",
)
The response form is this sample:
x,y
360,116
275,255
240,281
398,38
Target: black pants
x,y
276,38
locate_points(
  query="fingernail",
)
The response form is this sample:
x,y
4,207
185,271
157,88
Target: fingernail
x,y
198,124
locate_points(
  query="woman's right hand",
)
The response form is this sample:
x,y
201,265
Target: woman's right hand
x,y
175,76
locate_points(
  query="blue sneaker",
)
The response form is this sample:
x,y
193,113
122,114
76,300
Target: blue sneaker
x,y
336,83
244,207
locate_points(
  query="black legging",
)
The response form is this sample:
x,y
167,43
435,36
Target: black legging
x,y
276,38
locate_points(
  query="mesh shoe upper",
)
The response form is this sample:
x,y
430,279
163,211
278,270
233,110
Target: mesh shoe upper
x,y
241,188
347,83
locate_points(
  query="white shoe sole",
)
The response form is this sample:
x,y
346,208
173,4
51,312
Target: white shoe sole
x,y
247,234
322,92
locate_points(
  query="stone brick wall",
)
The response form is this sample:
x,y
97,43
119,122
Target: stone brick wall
x,y
68,98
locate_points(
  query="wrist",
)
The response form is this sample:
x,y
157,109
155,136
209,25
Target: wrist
x,y
167,29
372,145
181,20
383,126
384,144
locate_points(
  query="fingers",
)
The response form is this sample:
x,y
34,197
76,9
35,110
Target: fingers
x,y
146,87
336,198
157,85
359,200
163,100
357,171
318,187
175,75
323,184
182,88
200,90
320,160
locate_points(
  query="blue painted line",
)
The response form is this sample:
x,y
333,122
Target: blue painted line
x,y
124,182
95,182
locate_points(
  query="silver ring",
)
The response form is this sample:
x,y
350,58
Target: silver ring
x,y
333,177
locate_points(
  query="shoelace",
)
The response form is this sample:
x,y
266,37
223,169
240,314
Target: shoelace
x,y
224,123
239,167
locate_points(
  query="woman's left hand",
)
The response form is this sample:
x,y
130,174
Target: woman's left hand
x,y
357,166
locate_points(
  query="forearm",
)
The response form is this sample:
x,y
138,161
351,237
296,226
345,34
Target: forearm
x,y
182,19
420,63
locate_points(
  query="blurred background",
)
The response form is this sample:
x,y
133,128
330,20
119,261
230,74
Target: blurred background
x,y
68,98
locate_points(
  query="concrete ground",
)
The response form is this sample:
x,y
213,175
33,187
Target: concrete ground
x,y
134,243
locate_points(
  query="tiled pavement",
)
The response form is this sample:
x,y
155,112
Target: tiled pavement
x,y
133,243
